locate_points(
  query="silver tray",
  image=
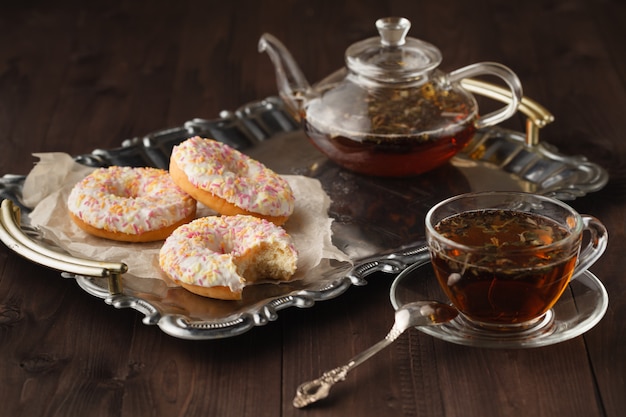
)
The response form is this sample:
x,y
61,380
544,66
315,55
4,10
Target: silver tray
x,y
377,222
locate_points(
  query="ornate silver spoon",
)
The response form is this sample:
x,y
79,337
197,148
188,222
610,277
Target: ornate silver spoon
x,y
419,313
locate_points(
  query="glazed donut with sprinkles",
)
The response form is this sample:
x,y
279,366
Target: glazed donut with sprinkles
x,y
217,256
230,182
130,204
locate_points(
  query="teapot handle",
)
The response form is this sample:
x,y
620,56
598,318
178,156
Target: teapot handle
x,y
537,116
500,71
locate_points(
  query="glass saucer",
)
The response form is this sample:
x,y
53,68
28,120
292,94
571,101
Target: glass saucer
x,y
580,308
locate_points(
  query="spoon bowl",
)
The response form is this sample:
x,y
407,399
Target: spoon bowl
x,y
424,313
418,313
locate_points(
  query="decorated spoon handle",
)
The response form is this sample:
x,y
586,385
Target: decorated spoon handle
x,y
317,389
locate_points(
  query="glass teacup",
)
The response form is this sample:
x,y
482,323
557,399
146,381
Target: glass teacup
x,y
505,258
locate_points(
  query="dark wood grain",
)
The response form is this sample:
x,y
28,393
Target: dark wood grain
x,y
76,76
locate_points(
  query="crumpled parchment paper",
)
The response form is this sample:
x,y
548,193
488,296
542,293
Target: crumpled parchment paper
x,y
49,183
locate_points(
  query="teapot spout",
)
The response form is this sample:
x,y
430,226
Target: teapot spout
x,y
292,85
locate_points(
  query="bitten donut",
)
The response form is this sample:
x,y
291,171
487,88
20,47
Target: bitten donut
x,y
230,182
130,204
217,256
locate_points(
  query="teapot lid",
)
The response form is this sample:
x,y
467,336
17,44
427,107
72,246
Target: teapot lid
x,y
393,57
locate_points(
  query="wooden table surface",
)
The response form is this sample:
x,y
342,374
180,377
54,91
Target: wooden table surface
x,y
76,76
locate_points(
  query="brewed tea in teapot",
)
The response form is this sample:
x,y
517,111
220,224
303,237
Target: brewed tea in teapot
x,y
391,111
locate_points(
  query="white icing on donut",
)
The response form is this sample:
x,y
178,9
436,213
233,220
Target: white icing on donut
x,y
129,200
215,250
228,174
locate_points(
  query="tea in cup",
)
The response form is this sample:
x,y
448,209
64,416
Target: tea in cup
x,y
505,258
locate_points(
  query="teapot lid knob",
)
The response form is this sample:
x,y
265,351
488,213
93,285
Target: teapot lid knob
x,y
393,30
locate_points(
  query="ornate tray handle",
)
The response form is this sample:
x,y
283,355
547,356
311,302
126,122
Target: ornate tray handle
x,y
14,237
538,116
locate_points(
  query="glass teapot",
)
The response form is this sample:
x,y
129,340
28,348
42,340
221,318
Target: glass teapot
x,y
390,112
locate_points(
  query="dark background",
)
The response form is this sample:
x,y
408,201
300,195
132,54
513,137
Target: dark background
x,y
76,76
